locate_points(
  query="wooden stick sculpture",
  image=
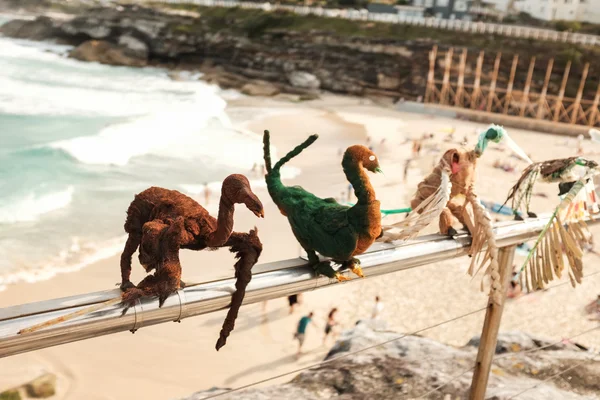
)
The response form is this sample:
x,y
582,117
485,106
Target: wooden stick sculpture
x,y
162,221
566,227
323,225
447,193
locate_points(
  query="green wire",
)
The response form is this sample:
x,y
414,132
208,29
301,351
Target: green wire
x,y
392,211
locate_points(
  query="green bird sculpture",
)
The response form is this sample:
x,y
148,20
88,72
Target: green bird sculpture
x,y
323,225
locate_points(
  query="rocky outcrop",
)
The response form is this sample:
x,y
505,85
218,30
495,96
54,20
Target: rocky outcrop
x,y
413,366
106,53
38,29
305,80
260,88
290,61
41,387
351,57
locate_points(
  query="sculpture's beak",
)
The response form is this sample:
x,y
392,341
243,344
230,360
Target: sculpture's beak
x,y
260,214
379,170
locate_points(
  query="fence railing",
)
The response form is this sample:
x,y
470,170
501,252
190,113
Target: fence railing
x,y
524,32
269,281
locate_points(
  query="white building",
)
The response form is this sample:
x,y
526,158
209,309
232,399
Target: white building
x,y
568,10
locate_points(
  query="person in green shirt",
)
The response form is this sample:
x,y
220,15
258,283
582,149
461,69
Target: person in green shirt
x,y
301,331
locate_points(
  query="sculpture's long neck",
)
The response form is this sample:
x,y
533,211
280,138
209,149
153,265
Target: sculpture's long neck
x,y
224,224
356,175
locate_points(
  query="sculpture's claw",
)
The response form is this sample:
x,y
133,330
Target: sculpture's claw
x,y
531,214
127,285
162,298
518,217
357,270
452,232
340,277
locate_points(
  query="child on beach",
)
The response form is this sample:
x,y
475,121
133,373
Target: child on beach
x,y
301,331
331,322
377,308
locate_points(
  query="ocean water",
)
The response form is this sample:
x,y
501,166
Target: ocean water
x,y
78,140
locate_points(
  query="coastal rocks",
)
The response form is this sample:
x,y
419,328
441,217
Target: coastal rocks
x,y
41,387
413,366
260,88
39,29
90,27
106,53
387,82
136,47
305,80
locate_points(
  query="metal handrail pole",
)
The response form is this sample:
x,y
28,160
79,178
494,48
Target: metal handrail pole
x,y
269,281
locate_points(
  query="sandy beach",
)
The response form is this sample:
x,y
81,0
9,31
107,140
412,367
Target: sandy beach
x,y
170,361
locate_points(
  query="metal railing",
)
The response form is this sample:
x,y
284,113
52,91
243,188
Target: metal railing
x,y
269,281
525,32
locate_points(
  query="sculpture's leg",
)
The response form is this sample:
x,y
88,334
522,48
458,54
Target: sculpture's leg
x,y
133,241
144,289
323,267
354,266
446,223
247,247
462,215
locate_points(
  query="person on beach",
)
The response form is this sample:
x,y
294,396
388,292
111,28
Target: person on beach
x,y
514,290
377,308
293,300
331,322
593,309
206,193
301,331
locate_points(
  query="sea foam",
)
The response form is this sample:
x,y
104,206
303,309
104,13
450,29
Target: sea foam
x,y
33,206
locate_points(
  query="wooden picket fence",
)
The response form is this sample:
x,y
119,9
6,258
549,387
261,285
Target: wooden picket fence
x,y
508,100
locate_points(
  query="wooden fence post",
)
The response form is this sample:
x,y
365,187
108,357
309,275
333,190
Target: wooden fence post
x,y
491,326
476,90
492,92
579,94
561,92
446,81
461,79
430,75
525,98
542,100
511,80
594,111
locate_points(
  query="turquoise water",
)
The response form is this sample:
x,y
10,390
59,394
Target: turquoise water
x,y
78,140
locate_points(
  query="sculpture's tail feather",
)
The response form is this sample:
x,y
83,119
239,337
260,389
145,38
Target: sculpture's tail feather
x,y
267,150
297,150
248,248
423,214
273,177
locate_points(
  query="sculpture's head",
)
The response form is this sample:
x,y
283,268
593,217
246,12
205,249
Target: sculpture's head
x,y
362,155
458,160
236,189
150,252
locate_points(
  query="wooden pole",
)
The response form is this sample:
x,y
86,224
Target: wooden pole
x,y
561,92
579,94
446,81
525,98
430,75
475,95
542,101
594,112
491,326
493,84
461,79
511,81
